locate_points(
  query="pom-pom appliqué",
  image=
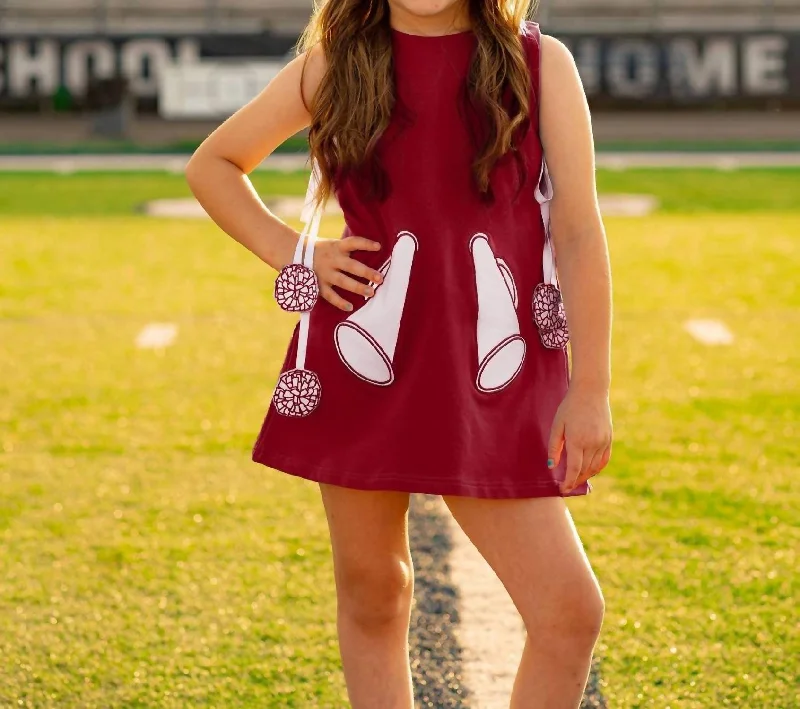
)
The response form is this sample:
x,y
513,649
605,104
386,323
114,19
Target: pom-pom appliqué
x,y
555,339
296,288
298,393
548,307
550,317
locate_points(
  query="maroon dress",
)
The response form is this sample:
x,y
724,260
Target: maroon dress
x,y
441,382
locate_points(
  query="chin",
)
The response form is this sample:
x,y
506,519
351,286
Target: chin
x,y
426,8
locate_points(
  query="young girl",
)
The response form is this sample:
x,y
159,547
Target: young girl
x,y
431,350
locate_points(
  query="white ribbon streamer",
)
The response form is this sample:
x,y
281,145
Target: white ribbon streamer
x,y
311,217
543,198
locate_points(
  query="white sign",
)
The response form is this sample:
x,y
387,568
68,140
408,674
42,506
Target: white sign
x,y
212,89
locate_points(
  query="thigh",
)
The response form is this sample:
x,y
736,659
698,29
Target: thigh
x,y
535,550
369,529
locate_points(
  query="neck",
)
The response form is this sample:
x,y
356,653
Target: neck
x,y
452,19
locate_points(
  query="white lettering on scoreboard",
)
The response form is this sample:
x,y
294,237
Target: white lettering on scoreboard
x,y
705,70
39,66
688,67
683,67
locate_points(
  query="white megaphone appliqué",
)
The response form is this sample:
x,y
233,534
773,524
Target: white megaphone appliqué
x,y
367,339
501,348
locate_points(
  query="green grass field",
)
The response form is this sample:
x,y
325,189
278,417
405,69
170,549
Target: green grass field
x,y
147,563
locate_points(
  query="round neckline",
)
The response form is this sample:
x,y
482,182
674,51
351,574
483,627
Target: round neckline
x,y
461,33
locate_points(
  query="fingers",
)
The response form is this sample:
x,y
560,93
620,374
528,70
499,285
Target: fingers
x,y
359,269
556,443
334,298
606,457
340,280
591,465
599,460
575,456
359,243
332,264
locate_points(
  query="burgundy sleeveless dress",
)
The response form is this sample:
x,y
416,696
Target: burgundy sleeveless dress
x,y
440,383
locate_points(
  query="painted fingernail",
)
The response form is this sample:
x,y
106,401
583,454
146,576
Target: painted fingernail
x,y
550,463
369,292
349,306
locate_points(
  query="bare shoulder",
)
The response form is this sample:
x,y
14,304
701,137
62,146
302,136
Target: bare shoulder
x,y
557,61
313,66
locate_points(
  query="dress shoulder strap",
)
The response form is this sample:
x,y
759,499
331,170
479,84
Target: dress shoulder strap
x,y
532,42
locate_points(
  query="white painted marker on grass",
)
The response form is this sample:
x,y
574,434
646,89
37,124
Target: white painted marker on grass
x,y
156,336
709,332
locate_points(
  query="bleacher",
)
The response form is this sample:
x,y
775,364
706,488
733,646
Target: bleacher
x,y
182,16
669,15
159,16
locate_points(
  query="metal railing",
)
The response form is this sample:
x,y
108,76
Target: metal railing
x,y
669,15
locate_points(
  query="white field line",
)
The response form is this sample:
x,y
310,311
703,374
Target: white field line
x,y
709,332
490,630
68,164
719,160
292,162
156,336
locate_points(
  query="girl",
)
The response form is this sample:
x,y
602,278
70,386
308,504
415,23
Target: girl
x,y
431,350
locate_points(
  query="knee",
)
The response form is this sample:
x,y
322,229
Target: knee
x,y
574,619
375,591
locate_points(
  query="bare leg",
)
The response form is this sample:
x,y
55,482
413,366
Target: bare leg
x,y
374,587
535,550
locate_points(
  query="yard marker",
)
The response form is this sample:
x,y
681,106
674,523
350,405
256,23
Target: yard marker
x,y
65,167
156,336
709,332
177,166
727,164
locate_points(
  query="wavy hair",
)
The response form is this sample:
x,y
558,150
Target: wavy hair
x,y
353,105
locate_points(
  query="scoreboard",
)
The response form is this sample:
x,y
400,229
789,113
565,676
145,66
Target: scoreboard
x,y
660,70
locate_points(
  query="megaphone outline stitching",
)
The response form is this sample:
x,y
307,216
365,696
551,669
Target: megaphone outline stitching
x,y
510,282
378,301
503,272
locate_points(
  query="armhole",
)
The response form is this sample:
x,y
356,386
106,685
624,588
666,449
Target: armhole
x,y
532,38
534,32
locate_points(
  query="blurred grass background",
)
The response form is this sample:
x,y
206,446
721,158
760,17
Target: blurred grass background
x,y
147,562
120,193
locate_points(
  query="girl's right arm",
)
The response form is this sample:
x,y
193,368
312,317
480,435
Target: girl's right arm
x,y
217,174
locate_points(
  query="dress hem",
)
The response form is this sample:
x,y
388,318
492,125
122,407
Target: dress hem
x,y
430,486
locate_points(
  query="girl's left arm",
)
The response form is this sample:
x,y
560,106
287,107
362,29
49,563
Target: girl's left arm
x,y
583,421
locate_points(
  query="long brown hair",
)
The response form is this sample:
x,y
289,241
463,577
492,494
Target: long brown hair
x,y
353,105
